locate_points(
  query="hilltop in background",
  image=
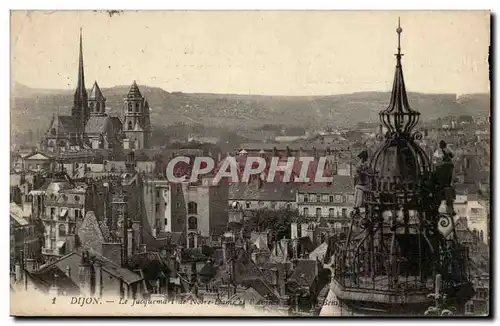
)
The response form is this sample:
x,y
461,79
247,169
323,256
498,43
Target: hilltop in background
x,y
32,109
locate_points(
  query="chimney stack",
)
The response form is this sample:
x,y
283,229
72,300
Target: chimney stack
x,y
18,272
98,279
130,243
84,274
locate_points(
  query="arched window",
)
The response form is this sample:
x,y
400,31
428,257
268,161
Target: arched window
x,y
91,106
137,106
306,211
331,212
192,208
62,230
130,107
130,125
97,107
192,223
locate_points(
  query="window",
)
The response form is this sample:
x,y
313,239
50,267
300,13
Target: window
x,y
97,106
192,208
306,198
130,107
331,199
344,212
62,230
273,204
157,193
306,211
191,243
318,198
78,214
157,207
137,106
53,131
318,212
192,223
247,204
130,125
165,222
77,198
331,212
343,199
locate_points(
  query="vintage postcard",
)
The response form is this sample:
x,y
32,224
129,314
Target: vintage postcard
x,y
250,163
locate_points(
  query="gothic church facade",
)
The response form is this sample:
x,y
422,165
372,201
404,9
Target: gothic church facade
x,y
90,127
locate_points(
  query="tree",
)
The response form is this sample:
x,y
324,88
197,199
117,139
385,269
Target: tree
x,y
277,221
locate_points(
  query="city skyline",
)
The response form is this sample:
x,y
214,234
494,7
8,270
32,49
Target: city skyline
x,y
251,59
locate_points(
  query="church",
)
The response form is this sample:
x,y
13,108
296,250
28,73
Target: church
x,y
90,127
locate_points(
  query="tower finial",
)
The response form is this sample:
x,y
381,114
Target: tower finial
x,y
399,30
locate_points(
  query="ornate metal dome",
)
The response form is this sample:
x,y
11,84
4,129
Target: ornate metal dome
x,y
394,248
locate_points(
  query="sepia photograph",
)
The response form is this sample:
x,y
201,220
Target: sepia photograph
x,y
250,163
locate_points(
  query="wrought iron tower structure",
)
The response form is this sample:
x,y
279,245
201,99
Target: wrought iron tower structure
x,y
399,240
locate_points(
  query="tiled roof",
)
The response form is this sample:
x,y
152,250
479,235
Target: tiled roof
x,y
319,253
304,274
16,212
96,124
46,277
69,123
124,274
340,184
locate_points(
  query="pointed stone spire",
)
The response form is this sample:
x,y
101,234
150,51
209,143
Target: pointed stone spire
x,y
95,93
80,105
134,92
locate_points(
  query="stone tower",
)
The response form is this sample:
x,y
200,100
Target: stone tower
x,y
96,101
136,125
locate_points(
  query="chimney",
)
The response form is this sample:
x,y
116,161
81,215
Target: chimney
x,y
281,281
130,243
84,274
98,279
18,272
70,243
227,251
284,247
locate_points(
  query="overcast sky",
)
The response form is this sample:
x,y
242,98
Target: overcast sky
x,y
253,52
